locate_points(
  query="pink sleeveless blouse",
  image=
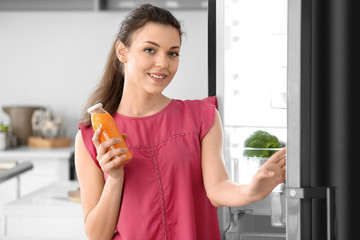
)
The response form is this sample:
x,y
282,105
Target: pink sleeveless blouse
x,y
164,195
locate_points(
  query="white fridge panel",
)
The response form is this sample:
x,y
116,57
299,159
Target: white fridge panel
x,y
255,63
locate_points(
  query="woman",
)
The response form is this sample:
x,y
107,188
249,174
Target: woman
x,y
176,179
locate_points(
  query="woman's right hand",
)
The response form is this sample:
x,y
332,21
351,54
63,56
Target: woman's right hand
x,y
109,159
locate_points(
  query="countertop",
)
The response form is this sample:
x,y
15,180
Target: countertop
x,y
25,152
45,214
48,201
49,165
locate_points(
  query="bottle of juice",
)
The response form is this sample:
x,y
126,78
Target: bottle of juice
x,y
101,118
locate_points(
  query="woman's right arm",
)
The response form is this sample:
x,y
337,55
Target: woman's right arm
x,y
100,199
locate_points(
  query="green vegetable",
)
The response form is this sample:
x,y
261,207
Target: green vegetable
x,y
3,128
261,139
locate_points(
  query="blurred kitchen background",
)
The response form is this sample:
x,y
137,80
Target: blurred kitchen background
x,y
52,54
252,54
54,58
274,65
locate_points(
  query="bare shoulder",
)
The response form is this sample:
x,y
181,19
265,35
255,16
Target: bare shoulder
x,y
80,149
83,161
215,131
78,138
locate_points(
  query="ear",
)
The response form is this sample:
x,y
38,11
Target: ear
x,y
121,51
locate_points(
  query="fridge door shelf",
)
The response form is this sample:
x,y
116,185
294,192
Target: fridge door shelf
x,y
261,207
255,236
244,168
243,224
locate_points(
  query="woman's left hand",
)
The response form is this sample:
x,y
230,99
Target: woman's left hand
x,y
270,174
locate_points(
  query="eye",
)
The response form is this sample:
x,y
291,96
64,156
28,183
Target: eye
x,y
174,54
149,50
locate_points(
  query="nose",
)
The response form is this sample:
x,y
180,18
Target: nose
x,y
162,61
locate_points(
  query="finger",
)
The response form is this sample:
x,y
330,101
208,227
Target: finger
x,y
282,161
283,177
121,161
280,154
115,162
95,138
104,146
267,173
123,150
125,136
110,156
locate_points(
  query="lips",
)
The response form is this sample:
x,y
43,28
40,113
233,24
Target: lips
x,y
158,77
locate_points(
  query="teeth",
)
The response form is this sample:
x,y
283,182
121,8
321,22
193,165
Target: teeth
x,y
156,76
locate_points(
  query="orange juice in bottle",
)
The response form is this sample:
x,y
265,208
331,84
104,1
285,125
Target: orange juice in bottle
x,y
101,118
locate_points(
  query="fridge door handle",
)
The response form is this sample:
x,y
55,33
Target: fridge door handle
x,y
317,193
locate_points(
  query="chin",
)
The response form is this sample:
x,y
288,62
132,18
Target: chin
x,y
157,89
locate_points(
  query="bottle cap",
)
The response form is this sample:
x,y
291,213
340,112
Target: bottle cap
x,y
94,107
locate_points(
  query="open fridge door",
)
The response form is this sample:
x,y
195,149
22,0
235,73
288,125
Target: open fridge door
x,y
251,86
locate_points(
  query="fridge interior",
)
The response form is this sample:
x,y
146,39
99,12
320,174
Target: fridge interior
x,y
254,98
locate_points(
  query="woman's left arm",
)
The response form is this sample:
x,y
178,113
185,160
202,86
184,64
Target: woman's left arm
x,y
223,192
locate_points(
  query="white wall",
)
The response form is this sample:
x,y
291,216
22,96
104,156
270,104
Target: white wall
x,y
55,59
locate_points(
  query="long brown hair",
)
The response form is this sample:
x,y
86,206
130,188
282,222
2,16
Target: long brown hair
x,y
109,90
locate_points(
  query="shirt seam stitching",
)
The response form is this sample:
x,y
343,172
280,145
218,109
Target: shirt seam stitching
x,y
161,142
158,178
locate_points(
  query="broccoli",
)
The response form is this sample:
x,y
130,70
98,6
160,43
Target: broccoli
x,y
261,139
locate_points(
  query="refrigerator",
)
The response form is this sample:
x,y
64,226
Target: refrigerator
x,y
289,67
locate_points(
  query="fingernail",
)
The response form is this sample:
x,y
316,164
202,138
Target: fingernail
x,y
122,150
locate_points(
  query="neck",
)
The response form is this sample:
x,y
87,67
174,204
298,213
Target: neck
x,y
141,105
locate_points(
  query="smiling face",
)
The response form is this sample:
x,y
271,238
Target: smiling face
x,y
152,59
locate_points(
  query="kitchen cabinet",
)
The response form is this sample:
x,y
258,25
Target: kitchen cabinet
x,y
47,213
49,165
45,5
95,5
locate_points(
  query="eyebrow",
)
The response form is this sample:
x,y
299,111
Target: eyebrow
x,y
158,45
